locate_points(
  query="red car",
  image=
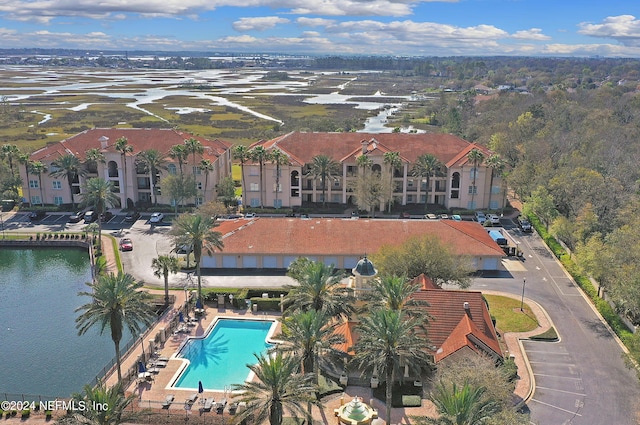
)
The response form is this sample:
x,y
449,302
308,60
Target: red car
x,y
126,244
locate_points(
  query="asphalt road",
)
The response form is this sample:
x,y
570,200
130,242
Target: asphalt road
x,y
582,379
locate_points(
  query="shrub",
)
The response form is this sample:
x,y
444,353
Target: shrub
x,y
266,304
548,335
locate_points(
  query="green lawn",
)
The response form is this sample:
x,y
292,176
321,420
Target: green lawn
x,y
508,316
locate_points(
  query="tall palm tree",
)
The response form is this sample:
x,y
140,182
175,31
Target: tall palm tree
x,y
98,194
241,153
461,406
25,159
91,159
391,292
476,157
207,167
10,153
122,145
497,165
324,167
37,168
193,146
259,154
116,302
196,231
68,167
426,166
319,288
103,406
180,153
384,338
152,161
307,332
279,388
279,158
393,160
162,266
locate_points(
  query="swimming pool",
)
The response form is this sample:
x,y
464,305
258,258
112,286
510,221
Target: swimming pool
x,y
220,359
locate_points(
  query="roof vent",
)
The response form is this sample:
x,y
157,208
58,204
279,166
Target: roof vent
x,y
104,140
466,306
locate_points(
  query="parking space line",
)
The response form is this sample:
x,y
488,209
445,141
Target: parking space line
x,y
556,407
560,391
556,376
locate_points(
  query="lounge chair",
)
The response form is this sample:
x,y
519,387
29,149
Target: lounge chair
x,y
221,405
208,404
192,398
162,359
233,407
167,401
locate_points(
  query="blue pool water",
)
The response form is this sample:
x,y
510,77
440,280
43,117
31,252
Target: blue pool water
x,y
220,360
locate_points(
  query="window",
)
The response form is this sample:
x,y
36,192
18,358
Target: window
x,y
253,187
255,202
279,188
495,189
56,184
197,170
35,199
336,197
171,168
277,203
410,198
336,183
473,190
473,173
494,205
455,194
199,201
409,183
57,200
33,184
471,205
254,171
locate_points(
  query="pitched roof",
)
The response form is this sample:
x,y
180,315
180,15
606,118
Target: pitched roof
x,y
453,327
337,236
140,139
346,329
304,146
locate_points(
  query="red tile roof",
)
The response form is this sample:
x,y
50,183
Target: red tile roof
x,y
140,139
337,236
303,146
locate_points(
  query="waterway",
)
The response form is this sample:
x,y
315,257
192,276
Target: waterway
x,y
41,352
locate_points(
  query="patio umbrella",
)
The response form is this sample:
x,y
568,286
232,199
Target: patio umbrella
x,y
200,388
181,317
199,304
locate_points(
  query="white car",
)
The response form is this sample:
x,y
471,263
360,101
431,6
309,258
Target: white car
x,y
156,217
494,219
250,215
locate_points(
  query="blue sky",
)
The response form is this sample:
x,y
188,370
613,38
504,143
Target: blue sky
x,y
384,27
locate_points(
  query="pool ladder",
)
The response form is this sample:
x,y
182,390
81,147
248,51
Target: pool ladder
x,y
227,391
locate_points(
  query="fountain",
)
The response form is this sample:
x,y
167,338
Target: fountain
x,y
356,412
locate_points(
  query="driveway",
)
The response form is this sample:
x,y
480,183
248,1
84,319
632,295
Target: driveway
x,y
582,378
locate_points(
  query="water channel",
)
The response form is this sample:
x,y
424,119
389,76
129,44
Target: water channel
x,y
42,353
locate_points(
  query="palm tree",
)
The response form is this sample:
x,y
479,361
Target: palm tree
x,y
461,406
497,165
68,167
307,332
392,292
116,302
37,168
103,406
152,161
259,155
393,160
122,145
426,166
10,153
180,153
193,146
196,231
24,159
279,388
207,167
385,338
162,266
320,289
98,193
279,158
241,153
91,159
476,157
324,167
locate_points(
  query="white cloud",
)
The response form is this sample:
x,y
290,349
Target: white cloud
x,y
244,39
315,22
530,34
258,24
624,29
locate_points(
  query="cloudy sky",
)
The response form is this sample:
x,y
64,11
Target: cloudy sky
x,y
385,27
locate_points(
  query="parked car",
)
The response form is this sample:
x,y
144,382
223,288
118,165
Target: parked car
x,y
132,217
444,216
431,216
494,219
36,215
106,216
156,217
250,215
456,217
524,225
76,217
90,217
480,217
405,214
126,244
